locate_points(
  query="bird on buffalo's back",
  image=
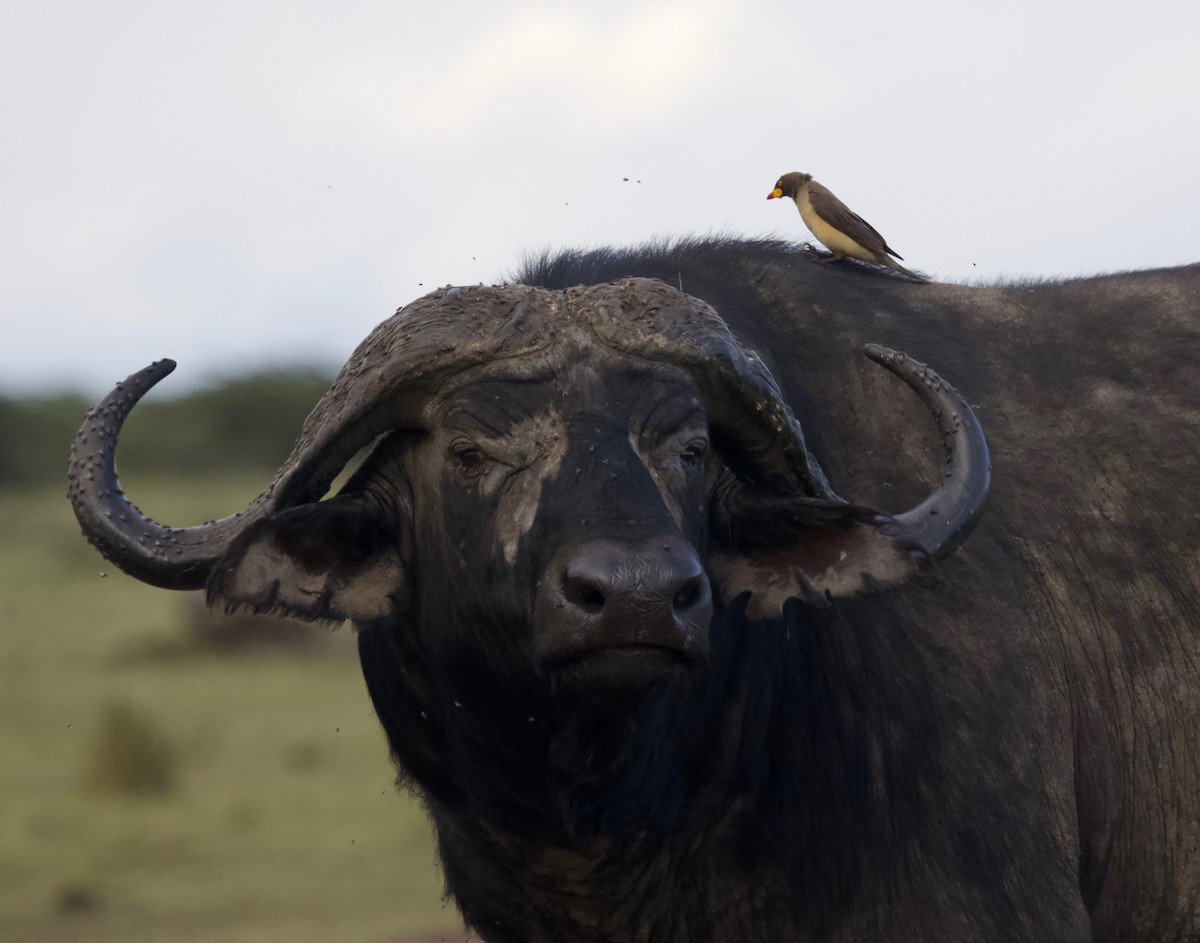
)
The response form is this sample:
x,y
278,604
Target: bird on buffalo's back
x,y
837,227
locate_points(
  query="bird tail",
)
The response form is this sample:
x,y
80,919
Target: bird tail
x,y
892,263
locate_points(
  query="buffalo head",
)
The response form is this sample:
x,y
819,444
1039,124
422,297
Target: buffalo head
x,y
585,473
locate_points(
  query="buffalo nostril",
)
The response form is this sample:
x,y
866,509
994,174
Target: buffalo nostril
x,y
687,596
591,600
583,595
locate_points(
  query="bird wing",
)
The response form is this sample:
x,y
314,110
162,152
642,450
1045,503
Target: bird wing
x,y
845,220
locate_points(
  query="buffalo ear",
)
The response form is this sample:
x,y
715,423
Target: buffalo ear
x,y
781,547
333,560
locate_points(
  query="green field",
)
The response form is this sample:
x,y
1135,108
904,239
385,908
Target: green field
x,y
272,813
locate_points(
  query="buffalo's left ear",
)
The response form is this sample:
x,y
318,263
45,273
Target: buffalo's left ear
x,y
333,560
780,548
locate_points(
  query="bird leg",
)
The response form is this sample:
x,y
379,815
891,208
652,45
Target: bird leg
x,y
819,254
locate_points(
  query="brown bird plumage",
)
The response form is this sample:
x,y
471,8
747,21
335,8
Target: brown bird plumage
x,y
837,227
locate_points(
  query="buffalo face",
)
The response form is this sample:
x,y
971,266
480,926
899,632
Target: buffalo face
x,y
595,480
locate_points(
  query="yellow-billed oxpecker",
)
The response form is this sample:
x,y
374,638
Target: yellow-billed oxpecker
x,y
841,230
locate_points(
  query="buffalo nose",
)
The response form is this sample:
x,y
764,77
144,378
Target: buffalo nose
x,y
633,584
608,594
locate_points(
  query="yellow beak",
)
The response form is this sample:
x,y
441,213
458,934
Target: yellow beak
x,y
775,194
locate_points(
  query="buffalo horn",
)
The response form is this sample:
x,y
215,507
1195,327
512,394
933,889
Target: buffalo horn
x,y
940,523
170,557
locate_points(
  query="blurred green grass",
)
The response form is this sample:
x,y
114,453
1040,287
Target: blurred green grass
x,y
283,823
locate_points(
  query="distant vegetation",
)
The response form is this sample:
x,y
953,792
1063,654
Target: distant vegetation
x,y
239,426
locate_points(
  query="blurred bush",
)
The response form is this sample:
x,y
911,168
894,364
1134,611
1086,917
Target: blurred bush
x,y
238,425
129,756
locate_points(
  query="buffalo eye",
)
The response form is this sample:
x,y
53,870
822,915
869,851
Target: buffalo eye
x,y
693,453
468,459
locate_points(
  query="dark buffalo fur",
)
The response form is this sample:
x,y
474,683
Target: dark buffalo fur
x,y
1008,752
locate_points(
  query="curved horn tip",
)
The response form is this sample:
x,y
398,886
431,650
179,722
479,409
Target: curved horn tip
x,y
891,359
156,371
141,382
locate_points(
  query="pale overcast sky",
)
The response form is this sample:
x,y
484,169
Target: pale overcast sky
x,y
242,184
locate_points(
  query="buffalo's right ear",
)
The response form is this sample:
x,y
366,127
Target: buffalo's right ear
x,y
333,560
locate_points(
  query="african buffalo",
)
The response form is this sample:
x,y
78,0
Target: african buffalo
x,y
642,632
